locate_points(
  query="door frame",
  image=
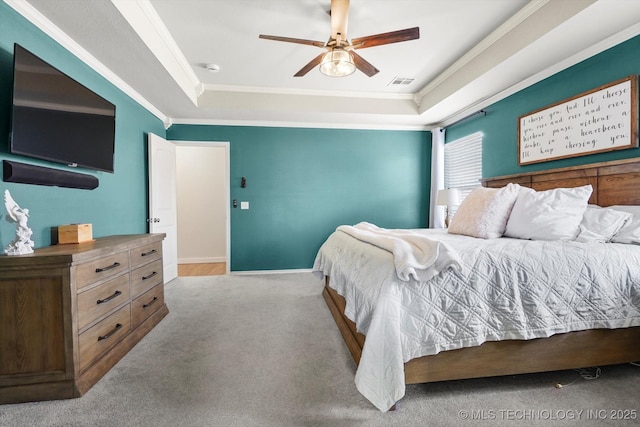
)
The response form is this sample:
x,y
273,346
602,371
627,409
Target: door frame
x,y
227,188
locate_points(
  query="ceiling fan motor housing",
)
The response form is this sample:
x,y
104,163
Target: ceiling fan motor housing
x,y
341,59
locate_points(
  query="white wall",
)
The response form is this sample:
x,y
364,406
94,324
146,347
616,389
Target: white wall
x,y
201,183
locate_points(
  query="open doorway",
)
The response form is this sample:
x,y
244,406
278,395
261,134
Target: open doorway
x,y
202,170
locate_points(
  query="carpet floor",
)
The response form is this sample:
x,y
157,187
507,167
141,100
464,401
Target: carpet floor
x,y
264,351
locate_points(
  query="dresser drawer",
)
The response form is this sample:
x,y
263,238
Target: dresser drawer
x,y
104,335
97,302
145,254
102,268
146,277
143,306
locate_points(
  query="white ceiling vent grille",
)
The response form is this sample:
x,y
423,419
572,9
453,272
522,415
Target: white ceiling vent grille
x,y
401,81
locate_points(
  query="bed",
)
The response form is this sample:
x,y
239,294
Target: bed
x,y
613,183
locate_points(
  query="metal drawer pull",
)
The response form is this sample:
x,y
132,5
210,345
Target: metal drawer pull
x,y
114,265
149,276
113,331
151,252
150,303
107,299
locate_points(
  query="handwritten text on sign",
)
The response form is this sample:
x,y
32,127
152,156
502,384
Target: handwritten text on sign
x,y
600,120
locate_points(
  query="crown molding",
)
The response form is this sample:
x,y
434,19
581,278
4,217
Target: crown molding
x,y
288,124
145,21
50,29
583,55
512,23
306,92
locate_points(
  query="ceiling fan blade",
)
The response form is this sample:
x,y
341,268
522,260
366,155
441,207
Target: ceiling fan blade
x,y
339,18
386,38
312,64
363,65
292,40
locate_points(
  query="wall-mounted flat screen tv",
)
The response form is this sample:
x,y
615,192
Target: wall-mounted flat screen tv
x,y
56,118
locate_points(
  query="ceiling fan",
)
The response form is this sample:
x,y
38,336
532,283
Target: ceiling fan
x,y
340,58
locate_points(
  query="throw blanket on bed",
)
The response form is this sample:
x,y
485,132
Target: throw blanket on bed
x,y
415,256
505,289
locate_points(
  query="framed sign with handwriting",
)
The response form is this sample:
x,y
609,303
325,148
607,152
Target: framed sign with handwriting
x,y
599,120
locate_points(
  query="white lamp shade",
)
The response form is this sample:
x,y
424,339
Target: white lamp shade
x,y
448,197
337,63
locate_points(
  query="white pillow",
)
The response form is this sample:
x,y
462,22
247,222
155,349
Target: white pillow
x,y
630,232
548,215
601,224
484,212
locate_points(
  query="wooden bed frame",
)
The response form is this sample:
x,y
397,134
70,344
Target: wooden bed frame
x,y
614,183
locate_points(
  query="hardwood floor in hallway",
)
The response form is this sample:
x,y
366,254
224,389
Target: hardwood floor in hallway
x,y
203,269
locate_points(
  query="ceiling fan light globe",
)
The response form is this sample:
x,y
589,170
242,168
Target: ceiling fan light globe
x,y
337,63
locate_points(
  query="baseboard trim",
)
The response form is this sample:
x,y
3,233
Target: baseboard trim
x,y
255,272
201,260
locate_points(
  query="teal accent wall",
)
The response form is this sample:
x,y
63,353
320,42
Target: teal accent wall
x,y
119,204
500,125
302,183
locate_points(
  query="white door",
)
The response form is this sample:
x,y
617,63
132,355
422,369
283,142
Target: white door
x,y
162,201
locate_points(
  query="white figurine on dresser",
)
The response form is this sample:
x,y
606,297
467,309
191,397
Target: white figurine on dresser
x,y
22,244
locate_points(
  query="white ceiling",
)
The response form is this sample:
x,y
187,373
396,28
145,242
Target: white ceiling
x,y
470,54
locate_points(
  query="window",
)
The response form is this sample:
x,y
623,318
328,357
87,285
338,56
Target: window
x,y
463,165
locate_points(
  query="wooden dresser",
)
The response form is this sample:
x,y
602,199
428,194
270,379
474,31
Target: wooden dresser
x,y
68,313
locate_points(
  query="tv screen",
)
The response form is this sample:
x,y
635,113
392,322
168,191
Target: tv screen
x,y
56,118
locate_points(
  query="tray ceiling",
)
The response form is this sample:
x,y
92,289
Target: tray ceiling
x,y
470,53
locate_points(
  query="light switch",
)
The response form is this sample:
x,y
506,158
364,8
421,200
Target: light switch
x,y
244,205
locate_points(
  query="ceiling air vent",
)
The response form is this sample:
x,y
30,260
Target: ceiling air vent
x,y
401,81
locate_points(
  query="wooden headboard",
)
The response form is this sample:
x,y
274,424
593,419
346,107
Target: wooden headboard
x,y
614,183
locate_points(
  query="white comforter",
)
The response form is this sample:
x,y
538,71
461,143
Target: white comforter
x,y
505,289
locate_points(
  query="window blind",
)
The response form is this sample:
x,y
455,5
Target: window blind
x,y
463,165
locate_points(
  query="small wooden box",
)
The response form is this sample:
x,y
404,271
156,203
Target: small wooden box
x,y
74,233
